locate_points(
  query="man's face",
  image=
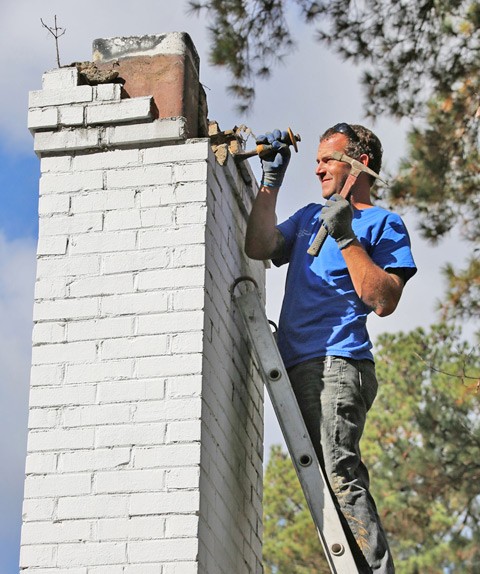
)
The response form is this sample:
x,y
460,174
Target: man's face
x,y
332,173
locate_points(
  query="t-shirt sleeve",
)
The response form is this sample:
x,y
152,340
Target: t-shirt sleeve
x,y
391,249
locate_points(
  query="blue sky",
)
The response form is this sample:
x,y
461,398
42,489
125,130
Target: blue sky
x,y
312,91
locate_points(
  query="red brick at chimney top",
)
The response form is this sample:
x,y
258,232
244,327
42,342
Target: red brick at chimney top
x,y
172,80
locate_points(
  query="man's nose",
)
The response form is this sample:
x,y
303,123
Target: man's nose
x,y
320,170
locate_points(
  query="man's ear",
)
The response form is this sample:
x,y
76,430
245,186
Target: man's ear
x,y
364,159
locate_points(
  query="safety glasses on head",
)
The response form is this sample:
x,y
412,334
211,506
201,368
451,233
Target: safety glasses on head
x,y
346,130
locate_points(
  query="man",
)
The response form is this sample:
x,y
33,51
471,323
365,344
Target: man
x,y
362,267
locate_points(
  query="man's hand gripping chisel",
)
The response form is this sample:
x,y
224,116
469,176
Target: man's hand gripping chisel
x,y
356,168
265,150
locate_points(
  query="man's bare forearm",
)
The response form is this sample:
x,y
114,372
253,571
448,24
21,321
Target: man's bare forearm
x,y
377,288
263,240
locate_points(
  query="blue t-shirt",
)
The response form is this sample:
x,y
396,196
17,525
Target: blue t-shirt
x,y
321,313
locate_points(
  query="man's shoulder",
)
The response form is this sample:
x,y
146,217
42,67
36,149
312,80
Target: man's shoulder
x,y
309,210
378,215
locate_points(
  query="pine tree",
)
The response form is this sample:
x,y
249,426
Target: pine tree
x,y
422,447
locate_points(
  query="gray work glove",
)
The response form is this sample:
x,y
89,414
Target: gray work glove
x,y
337,215
275,161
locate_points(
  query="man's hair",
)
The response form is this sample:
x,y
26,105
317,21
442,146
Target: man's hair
x,y
365,142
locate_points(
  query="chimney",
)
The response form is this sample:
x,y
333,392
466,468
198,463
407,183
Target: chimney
x,y
146,408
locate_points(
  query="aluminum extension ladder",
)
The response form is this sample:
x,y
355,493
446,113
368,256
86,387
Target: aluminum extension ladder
x,y
310,474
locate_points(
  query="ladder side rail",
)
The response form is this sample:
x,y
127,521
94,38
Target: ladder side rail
x,y
312,479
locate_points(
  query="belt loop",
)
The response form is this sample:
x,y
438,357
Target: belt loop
x,y
329,363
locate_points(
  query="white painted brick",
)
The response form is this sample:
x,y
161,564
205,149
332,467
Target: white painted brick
x,y
67,266
68,182
180,568
132,390
71,115
56,97
52,245
57,163
146,346
53,396
103,200
51,332
103,242
140,176
52,533
190,191
95,415
38,509
56,571
185,235
165,278
74,224
163,550
100,328
60,78
41,555
170,322
135,528
133,109
136,261
168,456
181,152
182,526
144,504
157,131
48,204
93,460
92,506
182,478
129,481
104,92
42,118
43,375
98,372
58,439
183,431
193,213
157,216
43,418
148,569
188,256
57,485
41,463
157,196
135,304
190,171
168,410
169,365
122,219
103,285
188,299
106,159
77,139
129,435
187,342
75,352
91,554
189,386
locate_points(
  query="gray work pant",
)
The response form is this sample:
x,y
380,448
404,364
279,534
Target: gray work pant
x,y
334,395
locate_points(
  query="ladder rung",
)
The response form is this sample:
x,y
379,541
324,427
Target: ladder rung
x,y
310,474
